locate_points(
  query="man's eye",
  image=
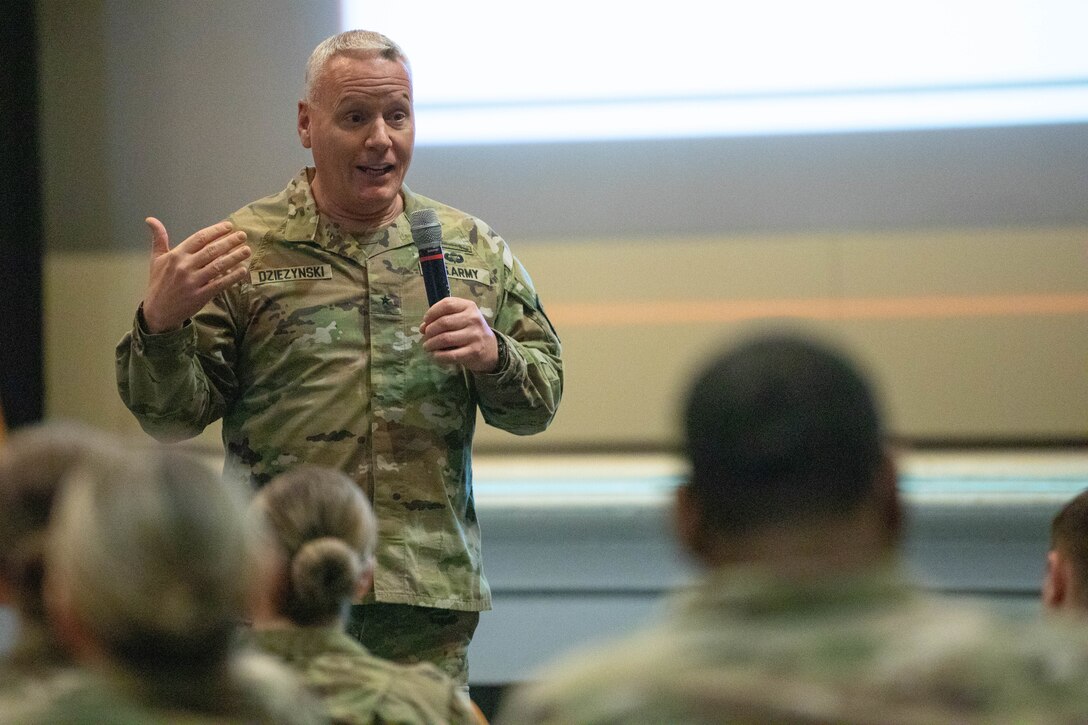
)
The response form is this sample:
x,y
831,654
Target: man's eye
x,y
355,118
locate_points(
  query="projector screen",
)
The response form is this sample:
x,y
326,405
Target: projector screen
x,y
493,71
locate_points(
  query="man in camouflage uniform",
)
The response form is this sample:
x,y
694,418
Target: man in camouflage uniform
x,y
802,615
303,322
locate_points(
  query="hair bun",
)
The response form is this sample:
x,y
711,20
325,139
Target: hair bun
x,y
324,574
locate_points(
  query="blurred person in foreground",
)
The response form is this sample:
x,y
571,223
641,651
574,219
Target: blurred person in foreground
x,y
319,549
33,464
149,564
802,614
303,322
1065,584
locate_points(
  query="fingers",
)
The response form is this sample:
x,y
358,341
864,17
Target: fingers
x,y
160,241
205,263
206,236
446,324
445,306
183,279
206,245
221,256
476,353
218,248
459,334
232,276
447,340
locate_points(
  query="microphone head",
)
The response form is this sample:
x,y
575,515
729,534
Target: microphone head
x,y
426,230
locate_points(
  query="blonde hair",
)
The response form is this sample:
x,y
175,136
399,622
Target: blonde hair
x,y
325,529
350,42
154,558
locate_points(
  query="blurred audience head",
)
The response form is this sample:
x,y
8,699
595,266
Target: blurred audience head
x,y
1065,585
322,533
149,564
783,433
34,463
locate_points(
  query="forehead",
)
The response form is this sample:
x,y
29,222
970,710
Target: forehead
x,y
368,75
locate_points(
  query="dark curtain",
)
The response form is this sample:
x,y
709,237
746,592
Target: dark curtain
x,y
21,243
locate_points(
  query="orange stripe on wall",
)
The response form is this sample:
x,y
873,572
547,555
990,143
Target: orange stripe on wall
x,y
670,312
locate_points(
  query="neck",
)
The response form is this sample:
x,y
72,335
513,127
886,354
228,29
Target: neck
x,y
805,548
262,623
353,221
264,614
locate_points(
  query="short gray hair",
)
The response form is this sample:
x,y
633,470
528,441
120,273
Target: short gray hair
x,y
350,42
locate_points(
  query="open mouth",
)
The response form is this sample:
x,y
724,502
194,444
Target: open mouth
x,y
379,170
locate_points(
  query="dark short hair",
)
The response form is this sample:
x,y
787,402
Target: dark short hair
x,y
780,428
1069,535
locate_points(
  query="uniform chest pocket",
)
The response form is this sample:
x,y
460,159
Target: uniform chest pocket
x,y
306,324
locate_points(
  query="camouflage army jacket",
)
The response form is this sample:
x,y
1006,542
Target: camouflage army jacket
x,y
358,688
253,688
317,359
743,647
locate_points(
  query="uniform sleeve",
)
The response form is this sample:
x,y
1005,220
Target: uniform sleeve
x,y
522,396
178,382
521,706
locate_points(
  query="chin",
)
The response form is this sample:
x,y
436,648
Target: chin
x,y
378,199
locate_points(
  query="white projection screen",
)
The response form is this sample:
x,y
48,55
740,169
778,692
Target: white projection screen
x,y
490,71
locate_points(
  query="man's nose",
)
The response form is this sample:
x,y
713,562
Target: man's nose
x,y
378,135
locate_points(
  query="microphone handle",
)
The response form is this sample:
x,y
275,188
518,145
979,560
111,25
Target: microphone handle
x,y
433,266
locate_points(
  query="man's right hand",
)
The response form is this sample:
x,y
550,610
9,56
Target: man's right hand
x,y
187,277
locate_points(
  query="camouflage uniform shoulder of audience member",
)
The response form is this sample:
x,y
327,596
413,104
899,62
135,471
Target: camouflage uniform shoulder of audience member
x,y
859,650
23,695
358,688
258,689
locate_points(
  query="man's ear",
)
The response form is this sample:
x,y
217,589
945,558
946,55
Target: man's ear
x,y
688,522
67,626
7,592
365,581
1056,581
886,486
304,119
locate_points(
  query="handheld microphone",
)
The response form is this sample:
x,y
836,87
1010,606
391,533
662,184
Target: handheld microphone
x,y
427,234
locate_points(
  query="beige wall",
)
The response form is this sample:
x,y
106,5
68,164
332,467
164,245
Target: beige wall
x,y
972,334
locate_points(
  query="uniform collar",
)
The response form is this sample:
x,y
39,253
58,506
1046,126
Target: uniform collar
x,y
304,222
